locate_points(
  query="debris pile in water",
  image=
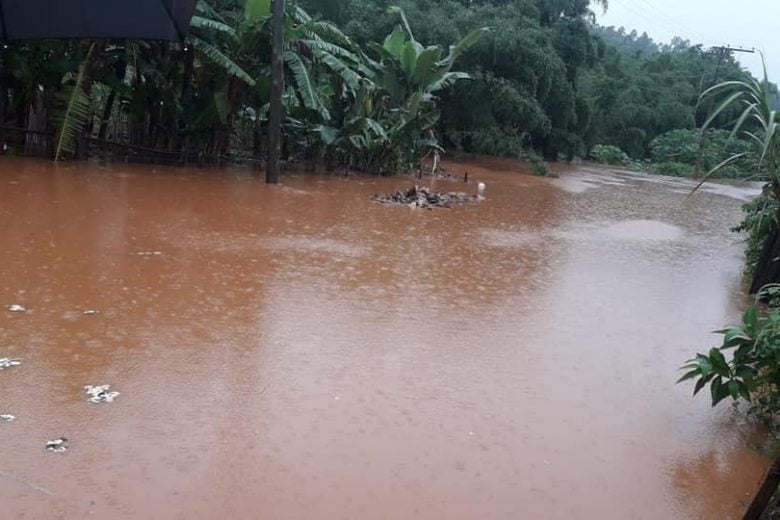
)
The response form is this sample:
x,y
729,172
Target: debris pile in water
x,y
100,394
57,445
8,362
422,197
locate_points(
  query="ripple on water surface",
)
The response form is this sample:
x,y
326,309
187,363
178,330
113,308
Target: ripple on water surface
x,y
292,356
643,230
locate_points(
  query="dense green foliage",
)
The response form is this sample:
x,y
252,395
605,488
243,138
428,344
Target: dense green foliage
x,y
757,122
681,152
759,222
751,372
372,90
609,154
544,78
366,106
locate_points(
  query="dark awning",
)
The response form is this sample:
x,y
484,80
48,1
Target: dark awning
x,y
100,19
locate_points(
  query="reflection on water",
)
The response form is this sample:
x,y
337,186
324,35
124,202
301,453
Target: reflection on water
x,y
301,351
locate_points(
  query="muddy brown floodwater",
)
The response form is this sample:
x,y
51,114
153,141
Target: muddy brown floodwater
x,y
301,351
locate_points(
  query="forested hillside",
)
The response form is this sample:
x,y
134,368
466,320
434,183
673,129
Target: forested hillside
x,y
546,77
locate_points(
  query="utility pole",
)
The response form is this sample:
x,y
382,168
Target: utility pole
x,y
277,91
723,52
727,49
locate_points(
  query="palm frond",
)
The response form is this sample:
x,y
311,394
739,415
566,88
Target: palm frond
x,y
73,116
734,84
397,10
205,8
330,32
448,79
301,16
200,22
464,44
330,48
726,103
303,82
715,170
393,44
426,66
376,127
219,58
749,109
341,69
770,132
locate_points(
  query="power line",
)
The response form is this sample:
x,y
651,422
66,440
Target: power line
x,y
652,19
656,11
653,15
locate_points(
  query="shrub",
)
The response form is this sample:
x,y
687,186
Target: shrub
x,y
684,147
758,223
673,168
752,371
490,140
608,154
539,167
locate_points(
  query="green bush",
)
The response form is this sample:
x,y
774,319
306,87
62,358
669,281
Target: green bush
x,y
608,154
490,140
539,167
673,168
758,223
683,147
751,372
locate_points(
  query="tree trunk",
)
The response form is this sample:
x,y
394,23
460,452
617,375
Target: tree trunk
x,y
765,492
258,134
768,265
277,90
106,115
186,92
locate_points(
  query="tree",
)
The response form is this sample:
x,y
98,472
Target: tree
x,y
277,91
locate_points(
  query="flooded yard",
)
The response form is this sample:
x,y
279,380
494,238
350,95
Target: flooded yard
x,y
302,351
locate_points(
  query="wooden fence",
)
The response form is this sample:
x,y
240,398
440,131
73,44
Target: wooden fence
x,y
21,141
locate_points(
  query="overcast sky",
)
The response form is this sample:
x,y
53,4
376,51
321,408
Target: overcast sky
x,y
745,23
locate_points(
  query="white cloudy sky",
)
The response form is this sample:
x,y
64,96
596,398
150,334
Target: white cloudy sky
x,y
745,23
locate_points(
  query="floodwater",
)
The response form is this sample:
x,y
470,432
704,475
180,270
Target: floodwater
x,y
301,351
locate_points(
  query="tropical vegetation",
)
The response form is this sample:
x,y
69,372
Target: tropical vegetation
x,y
367,107
747,364
375,86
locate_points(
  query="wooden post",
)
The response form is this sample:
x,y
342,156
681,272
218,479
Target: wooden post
x,y
277,90
764,495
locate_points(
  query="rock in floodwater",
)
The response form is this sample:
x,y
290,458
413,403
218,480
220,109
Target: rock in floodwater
x,y
7,417
100,394
9,362
16,308
422,197
57,445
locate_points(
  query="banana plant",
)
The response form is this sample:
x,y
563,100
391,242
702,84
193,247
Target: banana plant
x,y
315,49
409,75
380,125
